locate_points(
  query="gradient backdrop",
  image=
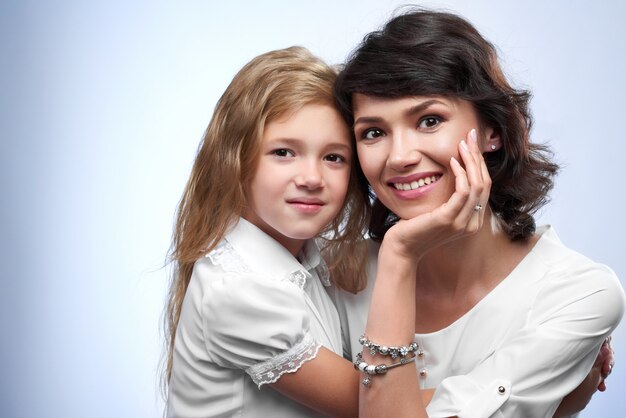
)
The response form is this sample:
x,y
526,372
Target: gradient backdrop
x,y
102,106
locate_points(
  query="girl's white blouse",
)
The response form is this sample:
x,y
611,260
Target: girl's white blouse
x,y
523,347
251,313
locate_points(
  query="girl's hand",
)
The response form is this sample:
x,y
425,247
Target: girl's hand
x,y
606,360
578,399
460,216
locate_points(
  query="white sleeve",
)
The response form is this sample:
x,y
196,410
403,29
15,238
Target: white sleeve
x,y
256,324
530,372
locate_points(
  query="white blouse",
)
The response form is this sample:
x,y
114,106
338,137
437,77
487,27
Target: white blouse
x,y
523,347
252,312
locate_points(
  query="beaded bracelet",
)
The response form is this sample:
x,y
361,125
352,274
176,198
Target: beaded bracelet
x,y
384,350
371,369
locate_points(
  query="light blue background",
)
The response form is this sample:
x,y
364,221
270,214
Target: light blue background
x,y
102,106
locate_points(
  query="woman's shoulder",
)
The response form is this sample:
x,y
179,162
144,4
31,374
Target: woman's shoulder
x,y
573,278
565,262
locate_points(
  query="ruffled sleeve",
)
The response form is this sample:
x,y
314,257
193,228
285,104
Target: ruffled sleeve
x,y
256,324
536,366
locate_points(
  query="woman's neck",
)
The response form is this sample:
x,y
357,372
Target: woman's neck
x,y
478,261
452,279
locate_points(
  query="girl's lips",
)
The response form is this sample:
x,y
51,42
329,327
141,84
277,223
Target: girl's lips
x,y
306,205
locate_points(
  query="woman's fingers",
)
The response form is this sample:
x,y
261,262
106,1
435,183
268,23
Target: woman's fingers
x,y
475,192
463,213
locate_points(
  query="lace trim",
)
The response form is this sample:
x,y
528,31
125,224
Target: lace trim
x,y
225,255
290,361
298,278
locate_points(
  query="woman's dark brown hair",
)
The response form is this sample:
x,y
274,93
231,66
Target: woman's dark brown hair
x,y
427,53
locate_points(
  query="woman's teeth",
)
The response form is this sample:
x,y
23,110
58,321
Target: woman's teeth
x,y
416,184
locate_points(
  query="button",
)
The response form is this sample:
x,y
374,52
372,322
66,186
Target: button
x,y
501,390
423,373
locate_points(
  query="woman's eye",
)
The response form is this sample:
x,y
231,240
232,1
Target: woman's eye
x,y
282,152
429,122
372,133
335,158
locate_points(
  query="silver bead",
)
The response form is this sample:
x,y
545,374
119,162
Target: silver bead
x,y
501,390
371,369
366,381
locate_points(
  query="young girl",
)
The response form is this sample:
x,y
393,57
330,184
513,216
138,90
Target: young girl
x,y
247,311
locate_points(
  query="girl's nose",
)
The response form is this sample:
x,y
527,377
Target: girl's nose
x,y
310,176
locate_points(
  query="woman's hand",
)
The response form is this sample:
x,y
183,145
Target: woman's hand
x,y
460,216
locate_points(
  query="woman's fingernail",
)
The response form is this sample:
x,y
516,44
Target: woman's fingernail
x,y
473,136
464,145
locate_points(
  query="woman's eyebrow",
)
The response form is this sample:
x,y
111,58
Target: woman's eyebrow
x,y
421,107
418,108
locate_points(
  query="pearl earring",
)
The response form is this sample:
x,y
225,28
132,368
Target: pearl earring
x,y
493,147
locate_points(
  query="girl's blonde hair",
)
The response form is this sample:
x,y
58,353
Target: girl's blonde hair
x,y
271,86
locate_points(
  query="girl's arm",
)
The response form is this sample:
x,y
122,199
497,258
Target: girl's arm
x,y
328,384
578,399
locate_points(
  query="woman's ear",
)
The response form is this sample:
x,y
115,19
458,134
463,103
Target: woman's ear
x,y
493,141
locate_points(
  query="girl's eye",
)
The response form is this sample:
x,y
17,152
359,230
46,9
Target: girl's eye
x,y
372,133
335,158
429,122
282,152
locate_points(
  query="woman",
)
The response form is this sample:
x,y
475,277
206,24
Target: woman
x,y
507,319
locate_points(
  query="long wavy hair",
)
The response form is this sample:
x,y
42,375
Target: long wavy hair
x,y
424,53
271,86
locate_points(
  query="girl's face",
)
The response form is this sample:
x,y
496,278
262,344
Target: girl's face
x,y
405,145
302,177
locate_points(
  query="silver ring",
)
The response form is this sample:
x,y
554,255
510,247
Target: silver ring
x,y
477,208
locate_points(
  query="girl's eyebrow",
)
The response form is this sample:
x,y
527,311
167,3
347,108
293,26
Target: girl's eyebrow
x,y
295,141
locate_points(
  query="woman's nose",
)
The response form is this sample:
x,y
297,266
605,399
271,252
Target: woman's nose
x,y
403,153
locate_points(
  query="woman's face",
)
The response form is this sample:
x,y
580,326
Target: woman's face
x,y
405,146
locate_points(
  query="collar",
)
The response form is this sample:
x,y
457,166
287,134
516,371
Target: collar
x,y
248,249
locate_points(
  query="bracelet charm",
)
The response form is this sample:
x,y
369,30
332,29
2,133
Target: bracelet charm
x,y
371,370
384,350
